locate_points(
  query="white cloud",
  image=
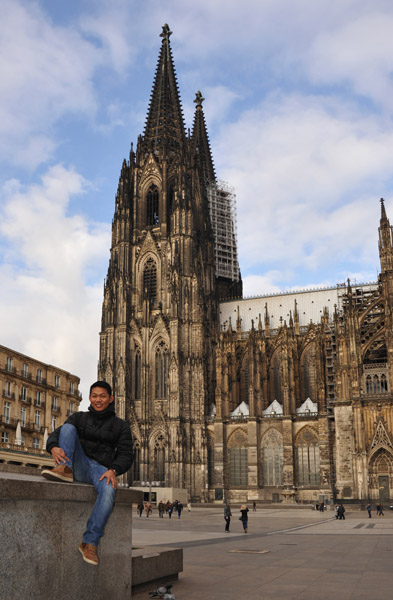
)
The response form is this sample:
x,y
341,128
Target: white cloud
x,y
46,72
308,173
357,53
48,308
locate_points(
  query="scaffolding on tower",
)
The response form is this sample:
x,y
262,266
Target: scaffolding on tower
x,y
222,207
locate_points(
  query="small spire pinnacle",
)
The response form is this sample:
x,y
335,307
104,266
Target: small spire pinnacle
x,y
383,211
166,32
199,99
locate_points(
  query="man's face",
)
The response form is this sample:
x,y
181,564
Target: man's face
x,y
100,399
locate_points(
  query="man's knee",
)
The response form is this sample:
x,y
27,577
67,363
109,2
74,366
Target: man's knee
x,y
68,429
107,492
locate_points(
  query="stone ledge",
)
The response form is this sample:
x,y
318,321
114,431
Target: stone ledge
x,y
17,486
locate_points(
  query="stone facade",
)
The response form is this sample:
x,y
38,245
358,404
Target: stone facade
x,y
285,397
35,398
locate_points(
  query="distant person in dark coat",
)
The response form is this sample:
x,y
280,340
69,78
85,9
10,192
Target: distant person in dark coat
x,y
341,512
369,510
244,517
227,516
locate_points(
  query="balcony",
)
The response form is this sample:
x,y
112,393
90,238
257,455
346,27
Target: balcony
x,y
9,395
55,409
25,400
39,403
10,422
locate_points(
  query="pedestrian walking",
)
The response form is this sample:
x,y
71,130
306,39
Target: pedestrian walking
x,y
254,506
368,507
341,512
140,509
244,517
189,506
161,509
179,509
227,516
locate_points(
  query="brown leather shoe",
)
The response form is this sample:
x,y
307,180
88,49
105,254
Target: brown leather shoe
x,y
89,553
61,473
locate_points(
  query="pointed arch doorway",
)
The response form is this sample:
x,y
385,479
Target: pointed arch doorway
x,y
381,473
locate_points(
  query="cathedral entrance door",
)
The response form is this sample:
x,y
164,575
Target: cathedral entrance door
x,y
383,484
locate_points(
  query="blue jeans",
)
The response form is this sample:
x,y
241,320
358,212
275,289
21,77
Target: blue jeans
x,y
88,470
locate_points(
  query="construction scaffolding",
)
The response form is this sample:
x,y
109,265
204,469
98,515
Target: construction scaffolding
x,y
222,207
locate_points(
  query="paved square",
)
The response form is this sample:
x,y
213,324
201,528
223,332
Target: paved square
x,y
294,553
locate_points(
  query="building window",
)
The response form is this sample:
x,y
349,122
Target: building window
x,y
25,370
54,422
37,419
159,460
273,458
137,463
39,375
7,389
38,398
137,374
23,393
23,416
7,412
152,206
36,443
238,466
307,454
5,438
54,403
162,371
57,381
72,387
8,365
150,281
70,408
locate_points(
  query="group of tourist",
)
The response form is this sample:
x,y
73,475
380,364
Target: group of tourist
x,y
243,516
168,507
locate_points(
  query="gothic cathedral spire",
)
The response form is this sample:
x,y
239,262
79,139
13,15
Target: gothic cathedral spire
x,y
164,129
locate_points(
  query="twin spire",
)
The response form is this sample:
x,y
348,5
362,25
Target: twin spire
x,y
164,132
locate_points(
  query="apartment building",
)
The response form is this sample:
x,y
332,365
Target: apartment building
x,y
35,399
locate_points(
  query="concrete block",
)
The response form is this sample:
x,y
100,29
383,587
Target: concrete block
x,y
155,565
41,527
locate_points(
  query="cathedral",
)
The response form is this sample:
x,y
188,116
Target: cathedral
x,y
280,398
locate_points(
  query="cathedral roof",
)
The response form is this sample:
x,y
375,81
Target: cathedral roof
x,y
164,128
310,305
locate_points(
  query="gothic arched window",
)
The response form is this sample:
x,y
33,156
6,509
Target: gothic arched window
x,y
244,380
162,370
159,460
307,454
136,467
308,375
170,204
150,280
238,459
273,458
275,379
152,207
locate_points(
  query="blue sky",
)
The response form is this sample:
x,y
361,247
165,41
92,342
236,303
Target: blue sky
x,y
299,112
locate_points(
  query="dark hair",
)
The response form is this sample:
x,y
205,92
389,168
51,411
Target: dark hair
x,y
101,384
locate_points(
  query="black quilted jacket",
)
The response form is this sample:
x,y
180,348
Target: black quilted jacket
x,y
104,437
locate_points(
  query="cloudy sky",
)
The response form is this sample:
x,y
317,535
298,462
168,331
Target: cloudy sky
x,y
299,111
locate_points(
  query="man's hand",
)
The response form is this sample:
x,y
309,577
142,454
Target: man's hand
x,y
110,477
59,456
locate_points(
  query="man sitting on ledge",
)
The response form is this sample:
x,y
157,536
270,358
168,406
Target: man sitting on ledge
x,y
93,447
